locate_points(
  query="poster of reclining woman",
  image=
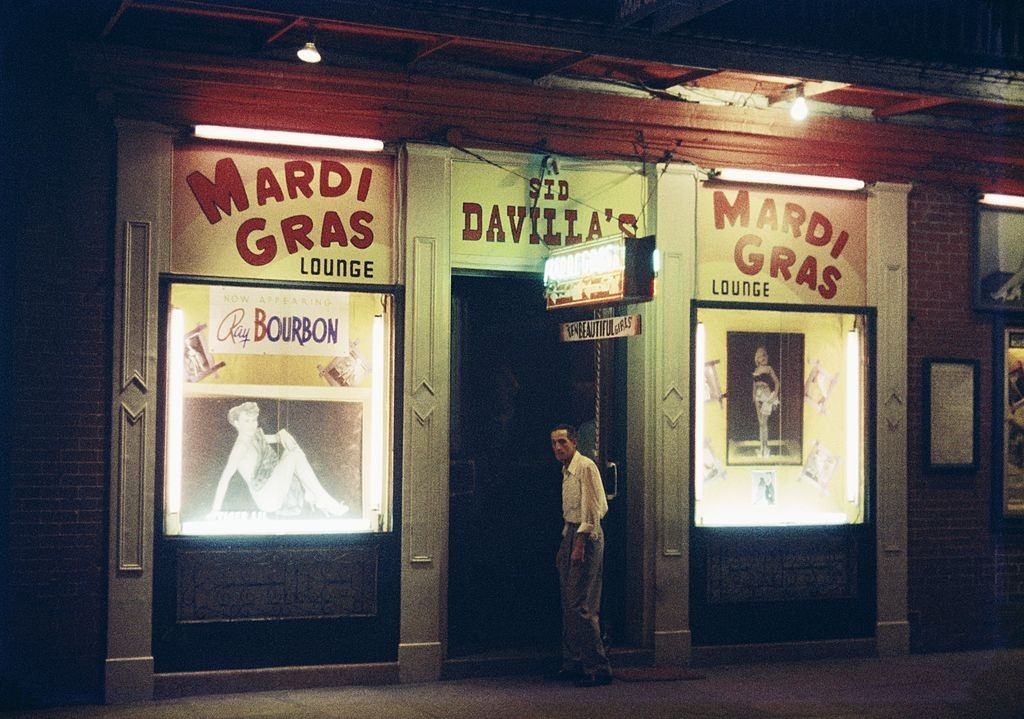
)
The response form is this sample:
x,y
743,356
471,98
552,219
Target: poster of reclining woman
x,y
270,465
764,391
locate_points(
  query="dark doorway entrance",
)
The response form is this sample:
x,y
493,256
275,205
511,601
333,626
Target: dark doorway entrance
x,y
512,380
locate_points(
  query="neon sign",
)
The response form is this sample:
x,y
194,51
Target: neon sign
x,y
608,271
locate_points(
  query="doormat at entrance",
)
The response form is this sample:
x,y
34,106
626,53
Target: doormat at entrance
x,y
656,674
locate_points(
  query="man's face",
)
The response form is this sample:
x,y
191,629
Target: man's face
x,y
563,447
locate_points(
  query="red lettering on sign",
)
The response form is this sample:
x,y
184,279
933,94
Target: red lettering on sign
x,y
752,264
782,259
298,177
364,184
333,231
829,277
819,230
344,181
494,231
793,217
266,245
808,273
471,210
267,187
215,197
768,215
295,231
362,236
738,210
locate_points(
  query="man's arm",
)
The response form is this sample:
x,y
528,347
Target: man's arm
x,y
591,494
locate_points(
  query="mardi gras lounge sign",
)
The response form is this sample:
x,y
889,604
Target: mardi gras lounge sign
x,y
759,244
269,215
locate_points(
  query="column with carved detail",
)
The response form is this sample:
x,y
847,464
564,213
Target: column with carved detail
x,y
426,409
887,290
143,206
669,435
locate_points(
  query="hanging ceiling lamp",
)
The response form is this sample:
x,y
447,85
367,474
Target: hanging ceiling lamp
x,y
309,53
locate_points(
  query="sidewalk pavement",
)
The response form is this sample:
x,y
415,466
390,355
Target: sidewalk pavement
x,y
970,685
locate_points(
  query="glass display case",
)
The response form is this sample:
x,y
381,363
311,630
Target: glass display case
x,y
779,417
278,411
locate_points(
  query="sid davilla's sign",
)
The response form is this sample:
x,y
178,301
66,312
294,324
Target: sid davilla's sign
x,y
601,329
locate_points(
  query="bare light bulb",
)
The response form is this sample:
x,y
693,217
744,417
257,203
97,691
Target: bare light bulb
x,y
309,53
798,110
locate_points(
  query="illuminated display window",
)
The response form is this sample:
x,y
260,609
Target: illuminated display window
x,y
779,419
278,412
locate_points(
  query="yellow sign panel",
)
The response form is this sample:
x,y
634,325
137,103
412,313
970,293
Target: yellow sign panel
x,y
512,217
757,244
279,215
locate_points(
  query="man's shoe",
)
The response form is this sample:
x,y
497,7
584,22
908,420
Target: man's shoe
x,y
594,680
568,675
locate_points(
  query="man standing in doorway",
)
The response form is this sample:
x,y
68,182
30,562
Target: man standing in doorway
x,y
580,561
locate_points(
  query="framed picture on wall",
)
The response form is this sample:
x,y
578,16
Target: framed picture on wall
x,y
951,414
764,414
999,259
1012,489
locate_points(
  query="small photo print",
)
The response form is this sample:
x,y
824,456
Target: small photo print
x,y
820,466
199,363
818,386
763,487
713,468
712,385
346,370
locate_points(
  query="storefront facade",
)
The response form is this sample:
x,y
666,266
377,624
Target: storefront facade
x,y
385,313
199,567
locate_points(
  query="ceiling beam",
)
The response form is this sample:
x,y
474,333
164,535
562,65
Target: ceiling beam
x,y
109,27
429,49
399,107
812,88
284,29
689,76
994,85
913,105
975,84
564,64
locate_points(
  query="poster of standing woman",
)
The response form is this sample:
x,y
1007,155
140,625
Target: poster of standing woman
x,y
764,398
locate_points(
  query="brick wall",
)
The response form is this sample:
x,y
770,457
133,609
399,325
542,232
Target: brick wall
x,y
966,587
60,261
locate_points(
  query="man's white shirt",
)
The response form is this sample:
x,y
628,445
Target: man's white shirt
x,y
583,499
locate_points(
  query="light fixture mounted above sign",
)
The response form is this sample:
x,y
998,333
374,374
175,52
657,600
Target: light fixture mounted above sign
x,y
282,137
763,177
613,270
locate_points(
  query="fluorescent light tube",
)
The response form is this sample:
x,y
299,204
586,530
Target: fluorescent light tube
x,y
280,137
786,178
175,409
698,413
853,428
1002,200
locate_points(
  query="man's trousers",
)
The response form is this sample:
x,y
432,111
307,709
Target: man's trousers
x,y
582,647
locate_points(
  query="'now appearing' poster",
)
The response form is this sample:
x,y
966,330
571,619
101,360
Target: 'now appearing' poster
x,y
278,322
